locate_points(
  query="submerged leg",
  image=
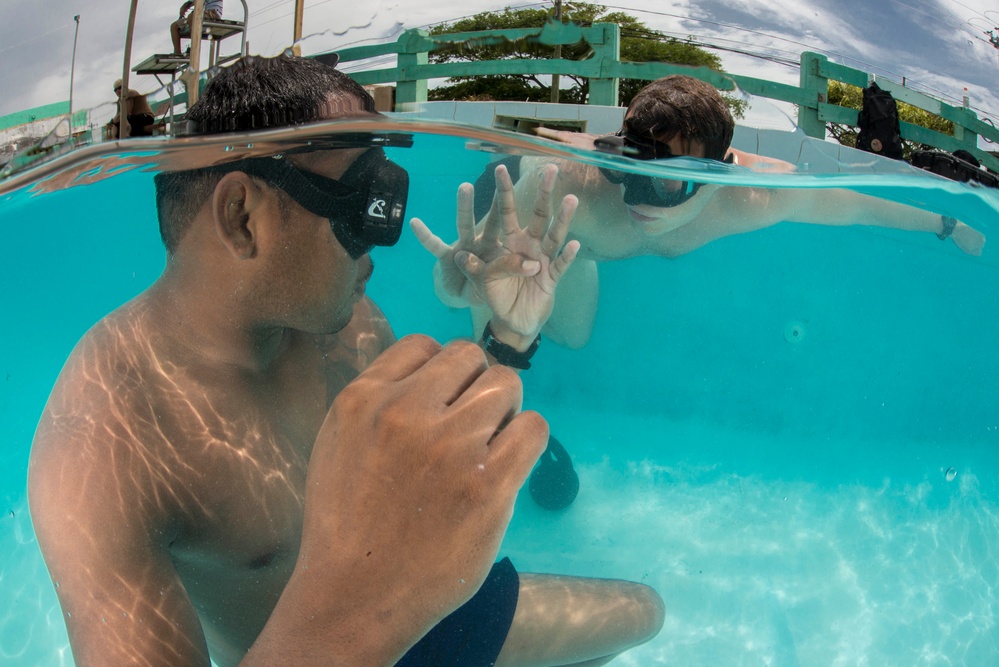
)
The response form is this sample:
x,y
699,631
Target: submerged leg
x,y
575,621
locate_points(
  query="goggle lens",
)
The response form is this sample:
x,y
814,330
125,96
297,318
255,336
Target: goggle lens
x,y
639,188
366,207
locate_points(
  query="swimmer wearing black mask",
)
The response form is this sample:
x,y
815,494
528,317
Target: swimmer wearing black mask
x,y
642,188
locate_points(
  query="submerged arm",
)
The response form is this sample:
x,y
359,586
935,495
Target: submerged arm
x,y
106,545
846,207
737,210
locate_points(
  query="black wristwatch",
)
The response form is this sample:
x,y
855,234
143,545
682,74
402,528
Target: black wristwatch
x,y
949,224
506,355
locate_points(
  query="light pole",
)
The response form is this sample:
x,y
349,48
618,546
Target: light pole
x,y
72,72
558,52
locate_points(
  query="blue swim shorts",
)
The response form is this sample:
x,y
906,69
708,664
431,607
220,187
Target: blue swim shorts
x,y
473,634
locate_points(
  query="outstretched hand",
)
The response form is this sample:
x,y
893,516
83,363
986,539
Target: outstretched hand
x,y
575,139
512,270
968,239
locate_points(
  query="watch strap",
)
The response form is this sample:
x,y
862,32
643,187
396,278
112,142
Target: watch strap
x,y
949,224
505,354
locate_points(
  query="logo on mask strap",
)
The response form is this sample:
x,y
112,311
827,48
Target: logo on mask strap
x,y
377,209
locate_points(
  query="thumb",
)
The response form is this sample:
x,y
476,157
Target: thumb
x,y
469,264
514,265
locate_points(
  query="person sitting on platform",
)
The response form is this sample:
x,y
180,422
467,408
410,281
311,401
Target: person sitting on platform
x,y
212,12
137,111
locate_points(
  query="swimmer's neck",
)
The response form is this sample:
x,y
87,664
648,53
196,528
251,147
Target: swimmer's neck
x,y
189,320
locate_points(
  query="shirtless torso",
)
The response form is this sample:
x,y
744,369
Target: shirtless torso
x,y
180,430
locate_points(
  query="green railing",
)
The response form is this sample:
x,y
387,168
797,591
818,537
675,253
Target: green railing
x,y
44,112
604,67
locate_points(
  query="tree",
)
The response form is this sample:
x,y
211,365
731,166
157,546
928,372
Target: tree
x,y
852,97
638,44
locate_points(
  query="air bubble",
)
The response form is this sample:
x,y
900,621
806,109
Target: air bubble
x,y
795,332
950,474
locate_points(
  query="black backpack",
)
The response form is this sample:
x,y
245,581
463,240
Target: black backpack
x,y
878,122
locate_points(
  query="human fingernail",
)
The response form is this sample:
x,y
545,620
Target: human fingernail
x,y
531,265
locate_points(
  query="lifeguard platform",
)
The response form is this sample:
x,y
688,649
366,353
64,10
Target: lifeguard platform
x,y
215,32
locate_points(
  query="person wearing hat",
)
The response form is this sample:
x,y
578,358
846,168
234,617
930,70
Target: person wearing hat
x,y
137,111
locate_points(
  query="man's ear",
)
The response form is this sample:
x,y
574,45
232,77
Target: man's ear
x,y
236,200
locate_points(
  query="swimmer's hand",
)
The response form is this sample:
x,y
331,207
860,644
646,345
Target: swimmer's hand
x,y
574,139
450,283
968,239
512,270
410,487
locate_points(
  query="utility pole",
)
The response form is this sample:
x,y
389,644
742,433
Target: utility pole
x,y
72,71
124,129
558,52
297,27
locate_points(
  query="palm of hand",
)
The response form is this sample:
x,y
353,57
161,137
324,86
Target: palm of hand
x,y
512,270
521,301
453,280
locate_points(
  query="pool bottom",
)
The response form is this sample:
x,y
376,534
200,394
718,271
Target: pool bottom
x,y
758,563
767,567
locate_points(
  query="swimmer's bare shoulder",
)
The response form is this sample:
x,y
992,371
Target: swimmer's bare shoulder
x,y
126,461
100,464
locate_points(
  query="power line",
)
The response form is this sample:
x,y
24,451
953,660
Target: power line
x,y
773,54
433,24
34,37
970,9
959,26
264,10
716,23
842,57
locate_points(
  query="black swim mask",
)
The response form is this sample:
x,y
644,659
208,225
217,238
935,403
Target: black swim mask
x,y
366,206
641,188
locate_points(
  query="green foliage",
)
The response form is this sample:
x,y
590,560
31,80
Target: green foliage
x,y
638,44
852,97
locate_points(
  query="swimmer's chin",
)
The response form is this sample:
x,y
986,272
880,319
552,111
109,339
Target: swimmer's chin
x,y
650,225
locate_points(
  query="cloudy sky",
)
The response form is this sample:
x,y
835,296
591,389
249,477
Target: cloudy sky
x,y
939,46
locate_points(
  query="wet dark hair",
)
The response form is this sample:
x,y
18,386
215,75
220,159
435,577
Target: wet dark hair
x,y
254,93
682,105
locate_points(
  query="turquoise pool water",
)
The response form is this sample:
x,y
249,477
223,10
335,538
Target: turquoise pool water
x,y
792,434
